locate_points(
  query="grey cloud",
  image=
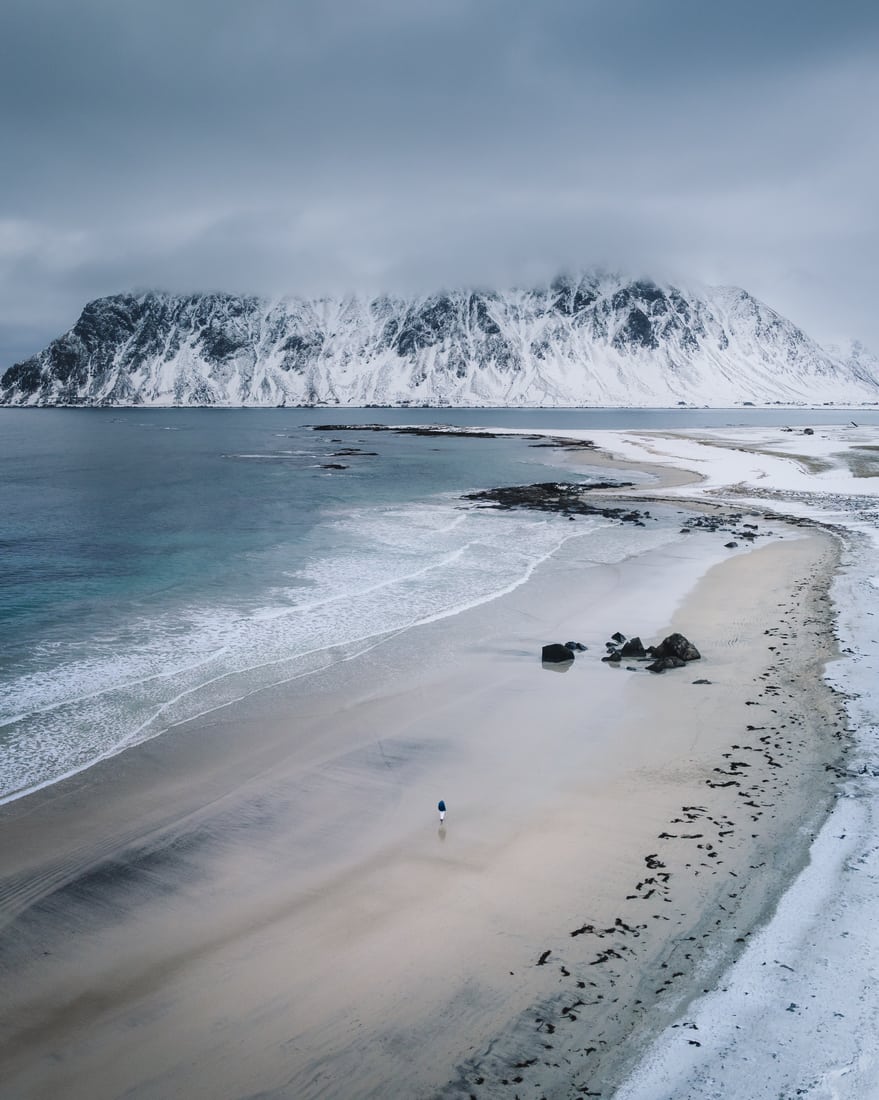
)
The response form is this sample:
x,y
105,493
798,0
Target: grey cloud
x,y
307,147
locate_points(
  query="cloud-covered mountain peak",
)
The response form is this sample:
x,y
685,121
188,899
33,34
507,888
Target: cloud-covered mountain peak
x,y
583,339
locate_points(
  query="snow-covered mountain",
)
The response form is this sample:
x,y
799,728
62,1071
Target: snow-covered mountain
x,y
585,340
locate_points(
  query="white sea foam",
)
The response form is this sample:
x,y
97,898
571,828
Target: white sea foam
x,y
389,569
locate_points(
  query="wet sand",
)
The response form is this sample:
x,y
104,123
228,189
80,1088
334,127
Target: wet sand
x,y
264,903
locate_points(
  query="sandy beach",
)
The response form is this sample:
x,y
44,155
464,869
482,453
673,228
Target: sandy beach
x,y
264,902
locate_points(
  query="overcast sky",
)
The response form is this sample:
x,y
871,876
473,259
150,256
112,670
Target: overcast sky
x,y
323,146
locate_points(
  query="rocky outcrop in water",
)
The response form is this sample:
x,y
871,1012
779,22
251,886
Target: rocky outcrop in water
x,y
569,498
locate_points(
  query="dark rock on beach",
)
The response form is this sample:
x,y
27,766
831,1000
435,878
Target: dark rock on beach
x,y
662,663
633,648
556,653
676,645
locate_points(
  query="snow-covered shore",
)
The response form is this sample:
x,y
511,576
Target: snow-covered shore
x,y
797,1014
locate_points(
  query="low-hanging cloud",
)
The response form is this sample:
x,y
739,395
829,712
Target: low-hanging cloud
x,y
280,147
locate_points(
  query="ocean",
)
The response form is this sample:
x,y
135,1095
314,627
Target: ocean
x,y
156,565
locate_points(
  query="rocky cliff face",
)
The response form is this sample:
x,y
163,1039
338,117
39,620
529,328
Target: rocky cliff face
x,y
590,340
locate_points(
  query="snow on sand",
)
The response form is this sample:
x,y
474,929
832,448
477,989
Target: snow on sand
x,y
798,1014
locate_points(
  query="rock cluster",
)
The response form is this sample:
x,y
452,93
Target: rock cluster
x,y
674,651
558,496
729,523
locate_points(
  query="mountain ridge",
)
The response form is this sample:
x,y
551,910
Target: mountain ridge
x,y
581,340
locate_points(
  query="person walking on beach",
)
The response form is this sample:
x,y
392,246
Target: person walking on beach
x,y
441,806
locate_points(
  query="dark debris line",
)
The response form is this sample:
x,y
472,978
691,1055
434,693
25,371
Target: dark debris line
x,y
558,496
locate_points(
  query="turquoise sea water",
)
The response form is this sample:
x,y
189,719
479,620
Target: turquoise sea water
x,y
155,565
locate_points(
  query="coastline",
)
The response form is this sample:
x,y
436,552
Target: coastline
x,y
728,841
360,946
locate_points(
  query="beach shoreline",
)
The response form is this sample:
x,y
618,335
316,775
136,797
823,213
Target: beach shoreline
x,y
711,879
358,944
